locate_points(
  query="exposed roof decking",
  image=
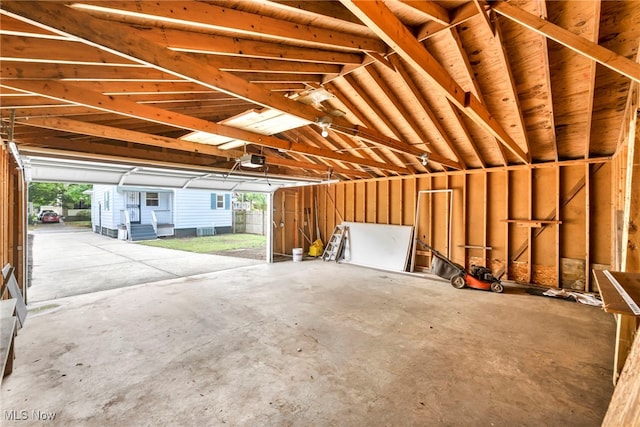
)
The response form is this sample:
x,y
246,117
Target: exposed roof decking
x,y
169,65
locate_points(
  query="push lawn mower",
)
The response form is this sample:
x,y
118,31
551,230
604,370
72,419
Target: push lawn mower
x,y
478,278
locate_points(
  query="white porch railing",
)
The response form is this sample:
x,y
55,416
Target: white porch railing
x,y
125,218
154,222
162,222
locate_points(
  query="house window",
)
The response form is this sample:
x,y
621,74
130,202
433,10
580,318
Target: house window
x,y
107,200
220,201
152,199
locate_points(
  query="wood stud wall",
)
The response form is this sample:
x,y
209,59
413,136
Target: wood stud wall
x,y
541,224
12,217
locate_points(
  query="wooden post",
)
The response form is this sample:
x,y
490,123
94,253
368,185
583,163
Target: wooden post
x,y
587,226
530,229
631,222
557,216
626,327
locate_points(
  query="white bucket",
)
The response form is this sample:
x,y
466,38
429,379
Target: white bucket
x,y
297,254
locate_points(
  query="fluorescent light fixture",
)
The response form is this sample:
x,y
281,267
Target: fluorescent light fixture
x,y
263,122
206,138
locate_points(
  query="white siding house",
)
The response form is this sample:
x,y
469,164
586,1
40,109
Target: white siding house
x,y
179,212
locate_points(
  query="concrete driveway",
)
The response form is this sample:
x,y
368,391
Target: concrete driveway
x,y
71,261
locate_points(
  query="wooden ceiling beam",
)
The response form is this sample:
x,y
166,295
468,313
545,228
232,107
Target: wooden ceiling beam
x,y
51,51
118,134
436,12
256,78
187,41
130,153
457,16
383,22
133,87
579,44
125,151
109,132
45,71
213,17
122,40
67,92
322,7
275,160
240,64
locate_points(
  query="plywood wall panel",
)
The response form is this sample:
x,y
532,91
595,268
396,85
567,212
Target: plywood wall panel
x,y
572,231
372,202
409,197
383,202
476,211
496,227
481,202
440,222
601,208
544,206
360,189
350,201
519,209
458,233
339,200
395,202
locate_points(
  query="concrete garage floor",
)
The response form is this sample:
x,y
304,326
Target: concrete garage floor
x,y
312,344
72,261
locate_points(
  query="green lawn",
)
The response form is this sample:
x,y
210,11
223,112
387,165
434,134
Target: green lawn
x,y
210,244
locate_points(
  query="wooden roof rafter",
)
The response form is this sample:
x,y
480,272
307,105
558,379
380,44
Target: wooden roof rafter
x,y
402,109
436,12
547,68
456,17
381,117
382,21
442,133
213,73
464,58
69,93
96,32
185,41
513,93
632,106
370,152
200,15
582,46
592,81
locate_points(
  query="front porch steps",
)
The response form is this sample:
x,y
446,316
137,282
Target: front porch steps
x,y
142,232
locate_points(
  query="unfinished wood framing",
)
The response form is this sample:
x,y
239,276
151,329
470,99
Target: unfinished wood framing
x,y
500,218
13,216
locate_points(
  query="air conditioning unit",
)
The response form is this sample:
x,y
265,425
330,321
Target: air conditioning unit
x,y
205,231
252,160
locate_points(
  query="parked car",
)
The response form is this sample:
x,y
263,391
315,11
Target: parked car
x,y
50,217
42,212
